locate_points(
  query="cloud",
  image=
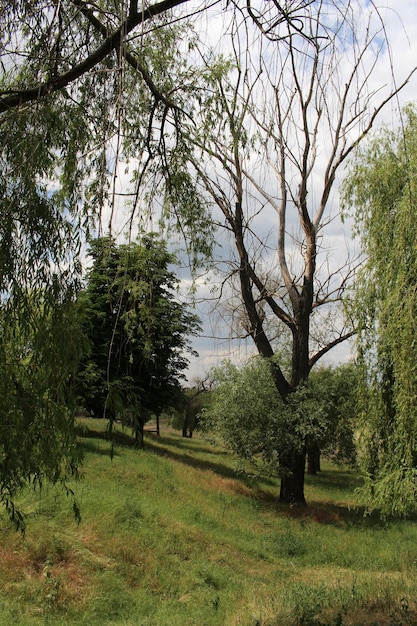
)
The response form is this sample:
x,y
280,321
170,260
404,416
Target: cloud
x,y
396,61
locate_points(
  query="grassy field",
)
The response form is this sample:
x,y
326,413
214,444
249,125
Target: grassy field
x,y
175,535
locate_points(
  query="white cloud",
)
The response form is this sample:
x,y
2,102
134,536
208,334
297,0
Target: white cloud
x,y
395,64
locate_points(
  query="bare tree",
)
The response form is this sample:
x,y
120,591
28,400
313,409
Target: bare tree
x,y
273,128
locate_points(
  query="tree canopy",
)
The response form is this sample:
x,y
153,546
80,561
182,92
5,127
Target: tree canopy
x,y
137,332
275,126
116,117
39,351
248,415
381,189
66,101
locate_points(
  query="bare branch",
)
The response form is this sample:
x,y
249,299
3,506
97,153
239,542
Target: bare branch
x,y
329,346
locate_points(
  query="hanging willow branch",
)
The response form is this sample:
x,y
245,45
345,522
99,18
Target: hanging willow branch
x,y
15,98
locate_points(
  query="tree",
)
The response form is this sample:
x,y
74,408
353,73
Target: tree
x,y
90,90
195,398
39,277
249,416
250,419
335,391
51,47
63,94
137,332
274,126
39,354
86,88
381,191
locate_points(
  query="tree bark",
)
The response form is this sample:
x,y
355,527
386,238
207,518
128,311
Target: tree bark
x,y
313,459
139,435
19,97
292,483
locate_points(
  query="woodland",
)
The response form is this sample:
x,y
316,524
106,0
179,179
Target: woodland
x,y
222,141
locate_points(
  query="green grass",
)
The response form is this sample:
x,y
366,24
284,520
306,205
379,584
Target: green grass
x,y
175,535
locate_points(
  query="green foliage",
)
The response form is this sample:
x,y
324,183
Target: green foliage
x,y
62,141
248,415
381,189
187,415
58,161
334,392
137,331
38,333
39,354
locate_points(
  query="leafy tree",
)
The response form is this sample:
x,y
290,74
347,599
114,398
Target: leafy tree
x,y
194,400
39,277
381,190
90,91
39,353
137,331
51,46
247,413
335,389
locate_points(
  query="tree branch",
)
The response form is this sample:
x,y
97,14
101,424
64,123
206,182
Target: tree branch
x,y
318,355
112,41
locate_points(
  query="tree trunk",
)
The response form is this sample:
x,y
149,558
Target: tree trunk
x,y
139,435
313,459
292,483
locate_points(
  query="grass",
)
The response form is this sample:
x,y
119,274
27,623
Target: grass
x,y
175,535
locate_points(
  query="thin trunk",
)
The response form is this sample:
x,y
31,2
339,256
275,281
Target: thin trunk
x,y
313,459
292,482
139,436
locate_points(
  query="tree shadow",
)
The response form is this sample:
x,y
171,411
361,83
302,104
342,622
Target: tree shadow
x,y
114,438
184,444
343,480
318,511
186,451
183,452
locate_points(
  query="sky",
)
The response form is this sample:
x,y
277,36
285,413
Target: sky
x,y
215,344
400,22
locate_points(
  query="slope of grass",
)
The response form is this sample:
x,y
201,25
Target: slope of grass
x,y
175,535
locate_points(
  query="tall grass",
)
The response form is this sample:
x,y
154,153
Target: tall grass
x,y
176,534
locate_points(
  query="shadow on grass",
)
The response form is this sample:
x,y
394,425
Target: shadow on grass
x,y
114,439
339,483
185,450
186,445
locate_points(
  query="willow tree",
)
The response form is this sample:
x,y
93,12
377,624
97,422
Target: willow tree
x,y
381,189
276,120
84,89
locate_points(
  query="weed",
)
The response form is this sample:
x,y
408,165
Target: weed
x,y
290,544
52,588
210,579
307,603
128,514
